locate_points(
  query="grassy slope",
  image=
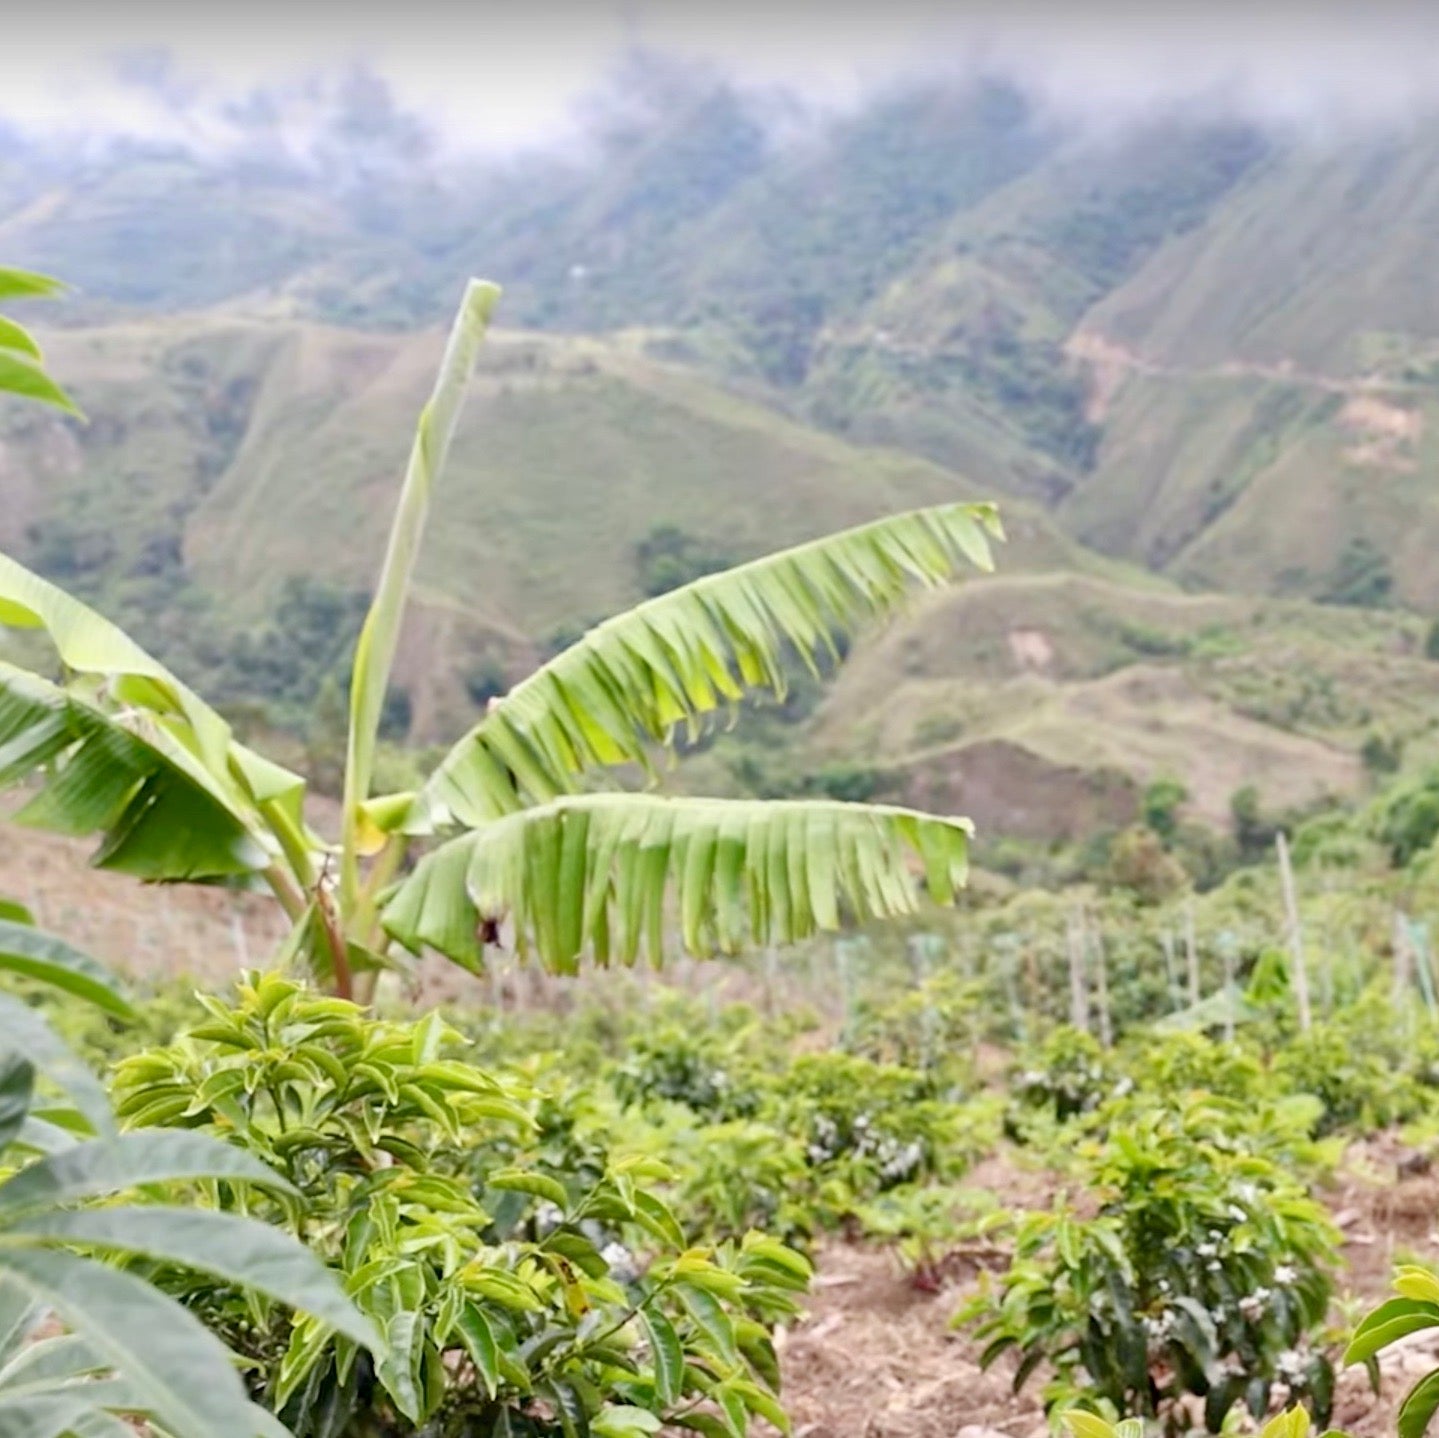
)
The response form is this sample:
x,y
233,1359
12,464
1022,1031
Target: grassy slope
x,y
1278,360
224,454
1314,255
1042,703
907,275
1041,698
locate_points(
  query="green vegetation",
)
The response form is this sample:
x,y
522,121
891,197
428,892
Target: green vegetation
x,y
1112,1092
475,1238
174,796
1205,1258
125,1348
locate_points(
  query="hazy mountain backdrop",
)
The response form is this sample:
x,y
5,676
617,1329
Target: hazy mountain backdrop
x,y
1198,361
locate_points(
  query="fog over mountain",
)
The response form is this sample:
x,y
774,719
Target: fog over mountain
x,y
1158,281
489,79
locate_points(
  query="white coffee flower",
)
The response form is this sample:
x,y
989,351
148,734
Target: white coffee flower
x,y
621,1262
1292,1366
1285,1273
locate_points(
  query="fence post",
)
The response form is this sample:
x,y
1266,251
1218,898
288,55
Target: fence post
x,y
1231,998
237,937
1419,948
1078,987
1191,953
1101,989
1296,933
1403,964
1171,973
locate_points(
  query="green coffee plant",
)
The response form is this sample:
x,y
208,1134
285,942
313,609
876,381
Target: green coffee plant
x,y
1067,1075
1171,1065
731,1177
683,1066
870,1126
125,1348
1204,1274
1292,1423
930,1026
1364,1078
1413,1310
521,1292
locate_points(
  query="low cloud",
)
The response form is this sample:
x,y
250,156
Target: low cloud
x,y
500,82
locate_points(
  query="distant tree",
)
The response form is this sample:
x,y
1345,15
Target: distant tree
x,y
1160,806
1253,832
1406,821
1431,641
1139,862
850,783
667,558
325,738
1380,753
485,680
1362,577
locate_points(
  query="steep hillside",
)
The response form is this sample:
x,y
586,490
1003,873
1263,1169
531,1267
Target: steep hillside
x,y
1171,333
224,457
1278,360
731,322
1043,704
1319,259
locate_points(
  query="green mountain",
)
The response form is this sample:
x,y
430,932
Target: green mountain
x,y
1197,361
225,457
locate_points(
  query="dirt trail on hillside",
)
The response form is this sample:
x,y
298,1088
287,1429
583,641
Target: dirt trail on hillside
x,y
1111,363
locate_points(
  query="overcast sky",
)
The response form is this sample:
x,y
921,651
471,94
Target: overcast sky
x,y
498,76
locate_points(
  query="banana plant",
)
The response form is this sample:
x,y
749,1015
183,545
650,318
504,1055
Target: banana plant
x,y
525,832
127,1349
22,366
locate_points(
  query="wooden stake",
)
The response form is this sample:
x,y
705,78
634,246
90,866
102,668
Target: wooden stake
x,y
1078,987
1296,932
1101,992
1418,935
237,937
1403,964
1231,999
841,965
1176,994
1191,953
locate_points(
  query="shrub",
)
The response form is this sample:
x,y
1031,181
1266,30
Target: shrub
x,y
1406,819
1160,806
517,1295
1138,862
871,1126
682,1066
1204,1274
1068,1075
1362,1084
